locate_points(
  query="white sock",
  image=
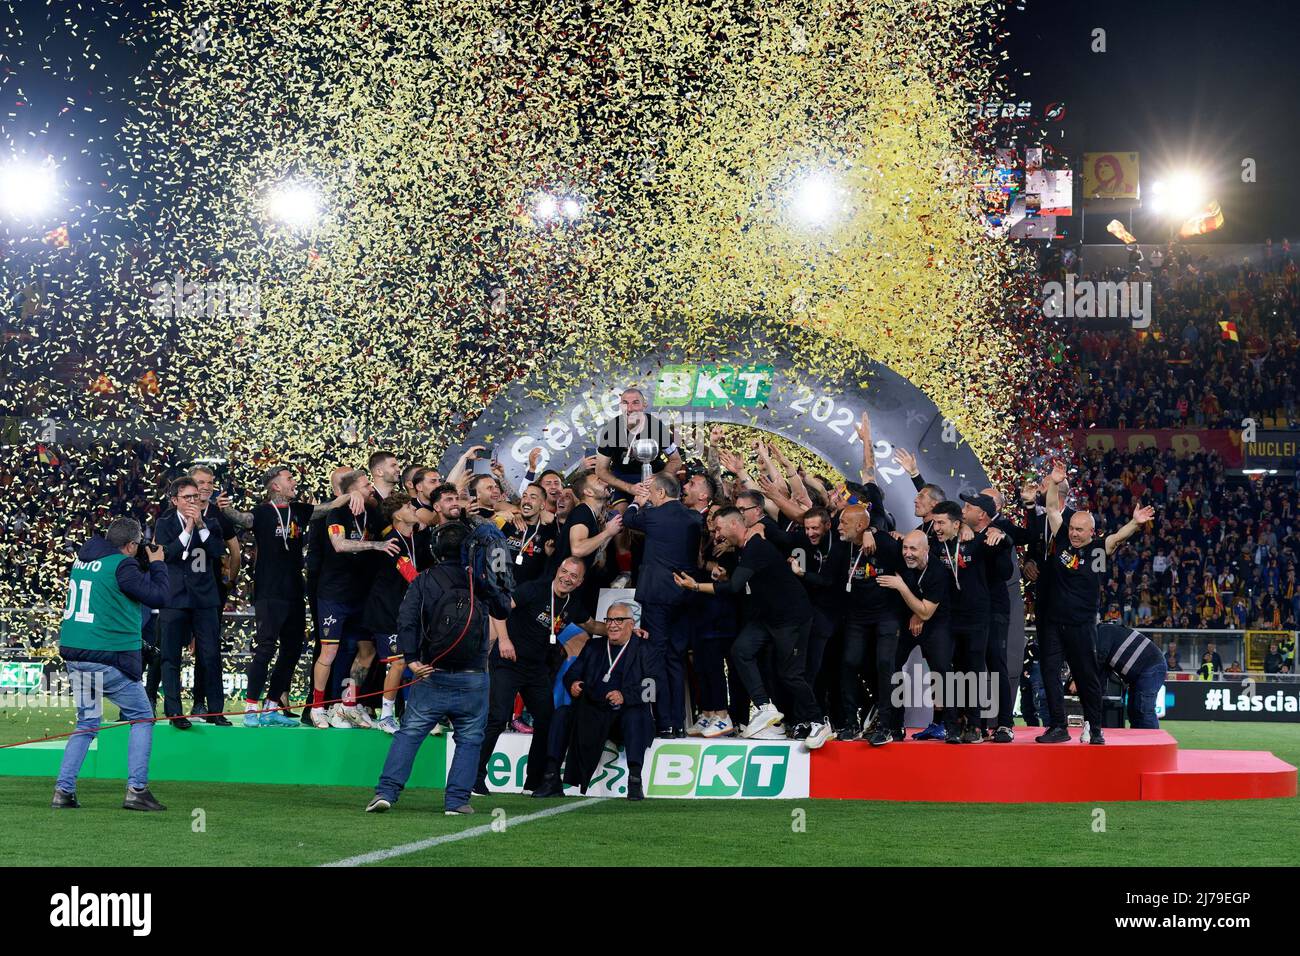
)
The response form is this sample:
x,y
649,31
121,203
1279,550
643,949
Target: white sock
x,y
389,708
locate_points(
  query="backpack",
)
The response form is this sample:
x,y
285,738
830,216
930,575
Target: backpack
x,y
455,634
486,552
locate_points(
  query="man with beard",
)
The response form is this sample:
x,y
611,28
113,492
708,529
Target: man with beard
x,y
781,618
927,495
924,588
585,534
1076,567
385,473
279,527
965,556
423,483
531,536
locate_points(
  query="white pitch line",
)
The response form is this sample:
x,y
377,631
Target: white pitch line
x,y
380,855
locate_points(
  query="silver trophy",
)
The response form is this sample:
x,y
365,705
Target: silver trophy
x,y
645,450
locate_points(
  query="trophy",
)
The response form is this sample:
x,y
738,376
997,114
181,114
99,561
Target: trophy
x,y
645,450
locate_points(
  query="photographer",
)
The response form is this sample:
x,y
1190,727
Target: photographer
x,y
100,641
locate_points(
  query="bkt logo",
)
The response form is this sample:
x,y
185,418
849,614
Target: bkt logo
x,y
718,770
713,386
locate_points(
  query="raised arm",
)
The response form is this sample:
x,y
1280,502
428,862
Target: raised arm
x,y
1141,515
1054,515
863,429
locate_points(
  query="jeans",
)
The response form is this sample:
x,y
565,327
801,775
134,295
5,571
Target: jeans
x,y
1142,695
462,697
130,698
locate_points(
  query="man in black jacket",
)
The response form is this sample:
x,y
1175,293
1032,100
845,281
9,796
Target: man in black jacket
x,y
193,610
443,638
672,545
607,684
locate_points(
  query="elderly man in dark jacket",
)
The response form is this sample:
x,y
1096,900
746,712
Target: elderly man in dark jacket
x,y
606,682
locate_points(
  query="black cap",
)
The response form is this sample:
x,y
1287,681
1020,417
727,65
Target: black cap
x,y
983,502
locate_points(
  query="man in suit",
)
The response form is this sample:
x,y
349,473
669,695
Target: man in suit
x,y
672,544
192,611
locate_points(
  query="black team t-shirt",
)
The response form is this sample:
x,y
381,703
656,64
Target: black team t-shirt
x,y
281,536
345,575
970,594
773,593
581,515
393,575
865,598
1076,586
527,544
615,443
538,615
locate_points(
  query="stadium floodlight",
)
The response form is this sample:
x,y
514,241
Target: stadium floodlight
x,y
572,209
26,189
294,204
1178,196
545,207
816,200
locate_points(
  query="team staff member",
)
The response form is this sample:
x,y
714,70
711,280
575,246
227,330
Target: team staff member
x,y
821,560
965,556
1139,665
525,658
586,536
279,527
344,583
192,611
1078,562
99,640
872,619
979,513
781,618
924,589
672,544
395,572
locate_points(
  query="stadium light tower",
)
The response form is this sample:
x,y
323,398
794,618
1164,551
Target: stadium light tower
x,y
26,189
1179,195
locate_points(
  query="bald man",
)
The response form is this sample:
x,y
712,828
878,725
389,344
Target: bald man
x,y
1076,565
924,589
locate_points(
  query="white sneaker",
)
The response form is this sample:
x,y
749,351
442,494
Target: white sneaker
x,y
718,727
820,734
389,724
700,728
763,718
319,718
338,719
1083,737
359,717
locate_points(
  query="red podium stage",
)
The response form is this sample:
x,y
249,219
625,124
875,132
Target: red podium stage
x,y
1132,765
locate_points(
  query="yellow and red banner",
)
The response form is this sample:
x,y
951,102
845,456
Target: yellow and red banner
x,y
1208,219
1110,175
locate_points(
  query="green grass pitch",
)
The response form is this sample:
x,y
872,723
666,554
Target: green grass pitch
x,y
304,825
